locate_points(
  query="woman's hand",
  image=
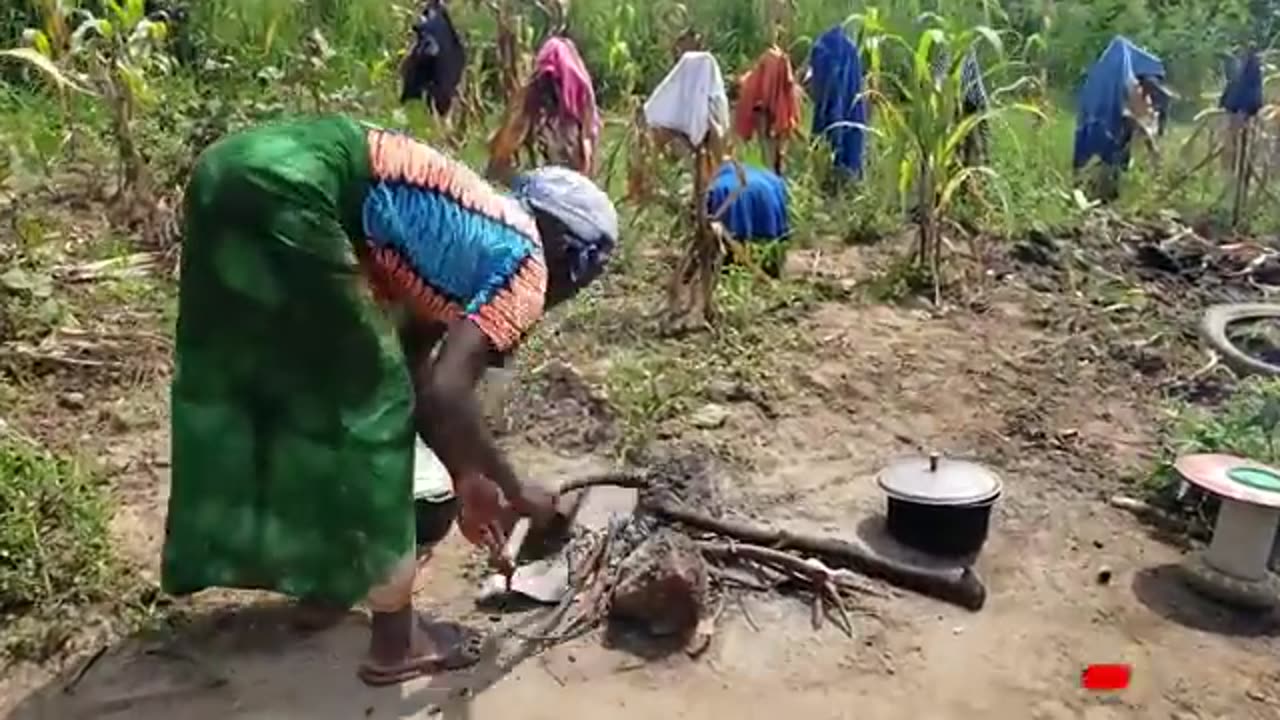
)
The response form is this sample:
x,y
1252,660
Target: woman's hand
x,y
482,517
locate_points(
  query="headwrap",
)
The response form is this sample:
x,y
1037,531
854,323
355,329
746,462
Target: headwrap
x,y
584,209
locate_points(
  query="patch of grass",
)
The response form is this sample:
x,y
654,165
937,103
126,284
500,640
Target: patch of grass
x,y
647,388
652,383
901,280
1032,157
138,293
55,550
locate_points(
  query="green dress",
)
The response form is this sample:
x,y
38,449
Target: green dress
x,y
291,403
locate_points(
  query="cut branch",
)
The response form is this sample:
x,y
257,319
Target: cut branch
x,y
960,586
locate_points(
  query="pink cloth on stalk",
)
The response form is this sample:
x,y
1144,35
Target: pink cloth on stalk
x,y
558,58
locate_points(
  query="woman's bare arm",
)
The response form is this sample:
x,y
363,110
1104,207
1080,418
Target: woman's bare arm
x,y
448,415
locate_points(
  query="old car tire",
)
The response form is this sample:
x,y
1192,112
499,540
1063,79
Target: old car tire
x,y
1213,327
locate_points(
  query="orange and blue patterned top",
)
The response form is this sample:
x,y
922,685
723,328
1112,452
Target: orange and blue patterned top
x,y
447,245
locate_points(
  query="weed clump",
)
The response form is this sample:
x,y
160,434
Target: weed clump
x,y
1245,425
55,550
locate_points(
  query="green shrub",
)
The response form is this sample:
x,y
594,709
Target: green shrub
x,y
1245,425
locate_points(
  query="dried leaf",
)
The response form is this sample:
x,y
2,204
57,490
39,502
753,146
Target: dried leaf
x,y
46,66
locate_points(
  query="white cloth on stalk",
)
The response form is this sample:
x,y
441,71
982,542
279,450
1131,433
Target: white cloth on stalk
x,y
691,99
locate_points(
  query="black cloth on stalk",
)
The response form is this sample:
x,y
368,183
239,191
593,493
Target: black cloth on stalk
x,y
434,64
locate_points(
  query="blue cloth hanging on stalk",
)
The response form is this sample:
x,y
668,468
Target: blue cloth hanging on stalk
x,y
1243,93
759,212
836,88
1102,130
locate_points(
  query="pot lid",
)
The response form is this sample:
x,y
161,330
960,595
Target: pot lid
x,y
1232,477
936,480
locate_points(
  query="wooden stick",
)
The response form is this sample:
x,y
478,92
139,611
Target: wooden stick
x,y
619,479
33,356
1161,519
846,621
511,551
810,569
728,577
960,586
746,612
817,606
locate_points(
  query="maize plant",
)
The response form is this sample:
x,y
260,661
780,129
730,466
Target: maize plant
x,y
110,57
918,110
1035,50
46,47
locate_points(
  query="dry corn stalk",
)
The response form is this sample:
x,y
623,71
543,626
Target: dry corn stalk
x,y
507,46
772,145
512,135
639,161
690,296
1142,117
779,15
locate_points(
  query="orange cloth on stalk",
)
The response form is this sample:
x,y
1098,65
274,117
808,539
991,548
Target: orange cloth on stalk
x,y
770,85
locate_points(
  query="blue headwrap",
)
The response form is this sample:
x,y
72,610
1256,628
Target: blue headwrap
x,y
583,208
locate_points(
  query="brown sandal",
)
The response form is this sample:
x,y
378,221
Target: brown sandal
x,y
462,648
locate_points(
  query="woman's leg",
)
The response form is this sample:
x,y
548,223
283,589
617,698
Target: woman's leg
x,y
403,645
396,639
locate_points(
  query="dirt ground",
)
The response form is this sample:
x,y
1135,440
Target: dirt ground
x,y
1064,416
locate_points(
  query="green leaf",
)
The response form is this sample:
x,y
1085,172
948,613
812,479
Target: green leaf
x,y
992,37
906,175
135,11
37,40
1268,416
45,65
958,180
136,83
19,280
158,31
1034,42
931,18
924,51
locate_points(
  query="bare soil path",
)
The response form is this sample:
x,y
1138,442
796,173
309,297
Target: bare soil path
x,y
989,385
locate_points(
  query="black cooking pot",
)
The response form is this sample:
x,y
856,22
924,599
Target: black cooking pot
x,y
941,507
943,530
